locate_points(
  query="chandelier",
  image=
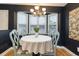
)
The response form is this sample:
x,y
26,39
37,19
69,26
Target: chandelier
x,y
37,11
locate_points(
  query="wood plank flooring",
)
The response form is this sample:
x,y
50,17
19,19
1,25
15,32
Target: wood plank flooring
x,y
60,52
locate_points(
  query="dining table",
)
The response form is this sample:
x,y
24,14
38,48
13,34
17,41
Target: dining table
x,y
40,44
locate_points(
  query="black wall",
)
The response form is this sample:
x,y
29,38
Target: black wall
x,y
13,22
70,43
5,42
62,23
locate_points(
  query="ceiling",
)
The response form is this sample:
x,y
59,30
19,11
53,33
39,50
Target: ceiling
x,y
42,4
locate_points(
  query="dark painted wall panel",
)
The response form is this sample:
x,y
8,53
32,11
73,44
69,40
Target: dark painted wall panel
x,y
4,40
11,20
62,27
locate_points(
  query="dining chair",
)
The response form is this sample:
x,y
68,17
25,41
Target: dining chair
x,y
15,40
55,37
16,45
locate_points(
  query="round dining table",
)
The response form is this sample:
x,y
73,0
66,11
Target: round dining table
x,y
41,44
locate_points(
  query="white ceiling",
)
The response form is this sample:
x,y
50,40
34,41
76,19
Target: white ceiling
x,y
42,4
47,4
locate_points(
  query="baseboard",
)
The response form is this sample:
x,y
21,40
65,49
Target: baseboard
x,y
73,54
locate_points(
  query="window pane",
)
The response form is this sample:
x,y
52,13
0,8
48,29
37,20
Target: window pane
x,y
35,20
32,23
52,22
22,25
42,24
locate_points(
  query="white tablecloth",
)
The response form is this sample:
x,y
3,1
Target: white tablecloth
x,y
41,44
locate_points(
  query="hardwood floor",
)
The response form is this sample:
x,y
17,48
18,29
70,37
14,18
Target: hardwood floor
x,y
60,52
8,52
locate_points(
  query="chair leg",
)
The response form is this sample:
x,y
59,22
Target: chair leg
x,y
54,50
15,52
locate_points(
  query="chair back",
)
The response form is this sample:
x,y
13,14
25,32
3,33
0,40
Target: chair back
x,y
14,39
55,38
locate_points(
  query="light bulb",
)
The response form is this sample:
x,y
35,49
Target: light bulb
x,y
43,9
31,10
44,13
36,7
34,13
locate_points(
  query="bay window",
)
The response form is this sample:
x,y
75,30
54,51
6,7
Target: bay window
x,y
27,22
